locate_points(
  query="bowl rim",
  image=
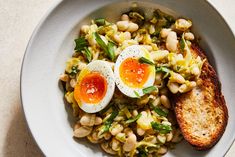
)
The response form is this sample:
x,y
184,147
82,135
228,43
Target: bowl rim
x,y
35,32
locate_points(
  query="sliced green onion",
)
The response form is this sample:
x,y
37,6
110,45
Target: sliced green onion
x,y
108,49
161,128
100,21
88,54
131,120
74,70
160,112
137,94
109,121
142,152
145,60
162,69
81,42
111,50
149,89
182,44
82,46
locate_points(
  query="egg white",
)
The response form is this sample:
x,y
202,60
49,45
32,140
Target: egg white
x,y
135,51
105,70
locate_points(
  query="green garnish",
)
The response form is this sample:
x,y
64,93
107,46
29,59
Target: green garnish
x,y
137,94
161,128
182,43
131,120
108,49
145,60
142,152
82,46
74,70
136,17
163,69
160,112
100,21
149,89
109,121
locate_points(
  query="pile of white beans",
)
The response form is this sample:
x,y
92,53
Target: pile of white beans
x,y
123,139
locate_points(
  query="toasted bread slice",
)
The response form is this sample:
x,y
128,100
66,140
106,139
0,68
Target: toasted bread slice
x,y
202,113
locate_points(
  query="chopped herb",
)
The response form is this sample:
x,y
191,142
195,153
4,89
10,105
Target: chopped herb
x,y
81,42
137,94
145,60
82,46
111,50
142,152
149,89
108,49
182,44
100,21
162,69
87,54
160,112
109,121
136,17
131,120
161,128
74,70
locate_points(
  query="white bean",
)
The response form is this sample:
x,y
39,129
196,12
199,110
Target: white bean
x,y
156,102
173,87
73,83
115,144
175,77
88,119
140,131
169,136
107,149
165,101
132,27
171,41
162,150
98,121
82,131
189,36
114,130
164,32
130,143
64,77
117,38
161,138
127,35
122,25
182,24
85,28
125,17
195,70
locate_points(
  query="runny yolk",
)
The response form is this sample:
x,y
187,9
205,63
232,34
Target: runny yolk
x,y
133,73
91,89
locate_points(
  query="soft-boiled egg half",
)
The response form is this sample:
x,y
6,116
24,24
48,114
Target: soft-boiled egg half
x,y
131,75
95,86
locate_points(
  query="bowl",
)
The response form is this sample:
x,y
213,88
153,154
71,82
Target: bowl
x,y
52,44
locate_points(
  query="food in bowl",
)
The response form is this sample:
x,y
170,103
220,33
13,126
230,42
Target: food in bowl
x,y
126,80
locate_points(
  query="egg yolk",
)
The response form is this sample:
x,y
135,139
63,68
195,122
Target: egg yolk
x,y
133,73
91,89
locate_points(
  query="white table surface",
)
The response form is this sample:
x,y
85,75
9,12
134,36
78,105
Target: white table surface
x,y
18,18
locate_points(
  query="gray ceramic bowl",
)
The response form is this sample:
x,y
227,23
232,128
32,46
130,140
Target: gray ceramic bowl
x,y
52,44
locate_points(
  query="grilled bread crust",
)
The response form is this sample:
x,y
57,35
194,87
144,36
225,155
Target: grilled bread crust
x,y
202,113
